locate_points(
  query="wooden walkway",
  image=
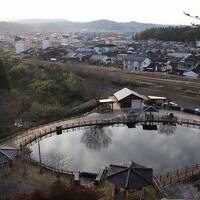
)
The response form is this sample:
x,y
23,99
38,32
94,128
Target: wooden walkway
x,y
24,138
161,182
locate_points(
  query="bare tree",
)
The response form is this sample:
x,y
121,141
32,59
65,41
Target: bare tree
x,y
58,161
168,129
96,138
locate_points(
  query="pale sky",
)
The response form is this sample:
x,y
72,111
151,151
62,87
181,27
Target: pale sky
x,y
152,11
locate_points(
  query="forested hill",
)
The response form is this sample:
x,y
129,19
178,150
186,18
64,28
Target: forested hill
x,y
180,33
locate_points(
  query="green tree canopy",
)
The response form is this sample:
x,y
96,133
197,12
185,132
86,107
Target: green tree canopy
x,y
179,33
4,82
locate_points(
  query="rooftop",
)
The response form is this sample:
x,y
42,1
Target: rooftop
x,y
130,176
125,92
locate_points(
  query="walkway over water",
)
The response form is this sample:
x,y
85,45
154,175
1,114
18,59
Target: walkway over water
x,y
26,137
174,177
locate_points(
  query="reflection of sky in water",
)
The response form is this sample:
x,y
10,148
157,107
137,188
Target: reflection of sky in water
x,y
150,148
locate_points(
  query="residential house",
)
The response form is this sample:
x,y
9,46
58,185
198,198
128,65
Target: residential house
x,y
195,73
136,63
104,48
99,59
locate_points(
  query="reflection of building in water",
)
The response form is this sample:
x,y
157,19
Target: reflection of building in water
x,y
168,129
96,138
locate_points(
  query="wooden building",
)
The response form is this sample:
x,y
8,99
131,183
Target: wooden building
x,y
123,99
128,99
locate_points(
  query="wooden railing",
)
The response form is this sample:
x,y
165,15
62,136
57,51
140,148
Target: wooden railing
x,y
50,168
31,135
178,175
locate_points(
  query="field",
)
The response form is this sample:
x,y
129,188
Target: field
x,y
184,91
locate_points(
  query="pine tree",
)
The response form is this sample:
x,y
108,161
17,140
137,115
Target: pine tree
x,y
4,82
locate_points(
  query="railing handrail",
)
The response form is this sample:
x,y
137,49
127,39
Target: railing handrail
x,y
28,136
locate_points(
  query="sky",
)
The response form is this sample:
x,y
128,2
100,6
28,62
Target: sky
x,y
151,11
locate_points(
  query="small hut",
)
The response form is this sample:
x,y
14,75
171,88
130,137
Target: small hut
x,y
149,110
129,178
105,105
7,155
155,100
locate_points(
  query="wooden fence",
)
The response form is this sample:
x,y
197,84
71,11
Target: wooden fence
x,y
29,136
179,175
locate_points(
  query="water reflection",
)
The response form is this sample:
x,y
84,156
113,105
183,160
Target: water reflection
x,y
94,149
96,137
168,129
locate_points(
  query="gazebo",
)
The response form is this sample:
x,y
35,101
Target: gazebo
x,y
7,155
130,177
150,110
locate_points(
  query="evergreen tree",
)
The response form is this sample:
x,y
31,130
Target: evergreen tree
x,y
179,33
4,82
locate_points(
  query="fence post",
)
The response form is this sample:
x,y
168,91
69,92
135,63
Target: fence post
x,y
186,171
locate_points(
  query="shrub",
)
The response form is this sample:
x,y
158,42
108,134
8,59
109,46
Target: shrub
x,y
58,190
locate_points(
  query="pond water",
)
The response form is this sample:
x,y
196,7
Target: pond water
x,y
90,149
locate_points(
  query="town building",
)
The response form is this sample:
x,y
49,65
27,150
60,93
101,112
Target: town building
x,y
136,63
45,44
21,46
104,48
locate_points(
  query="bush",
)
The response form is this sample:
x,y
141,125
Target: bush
x,y
58,190
45,111
126,83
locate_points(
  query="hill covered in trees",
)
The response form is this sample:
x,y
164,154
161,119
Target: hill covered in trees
x,y
180,34
62,25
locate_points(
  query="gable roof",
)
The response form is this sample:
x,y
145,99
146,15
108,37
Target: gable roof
x,y
151,109
135,58
125,92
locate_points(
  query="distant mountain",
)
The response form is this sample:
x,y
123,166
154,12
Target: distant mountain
x,y
61,25
14,27
39,21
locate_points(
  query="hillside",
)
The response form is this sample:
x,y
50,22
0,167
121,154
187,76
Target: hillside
x,y
14,27
60,25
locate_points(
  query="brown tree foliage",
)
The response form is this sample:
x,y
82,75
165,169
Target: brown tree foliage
x,y
58,190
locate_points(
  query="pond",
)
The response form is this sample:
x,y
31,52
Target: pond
x,y
92,148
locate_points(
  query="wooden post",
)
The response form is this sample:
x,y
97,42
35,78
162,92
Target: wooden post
x,y
40,159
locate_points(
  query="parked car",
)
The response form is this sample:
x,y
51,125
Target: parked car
x,y
170,103
197,111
